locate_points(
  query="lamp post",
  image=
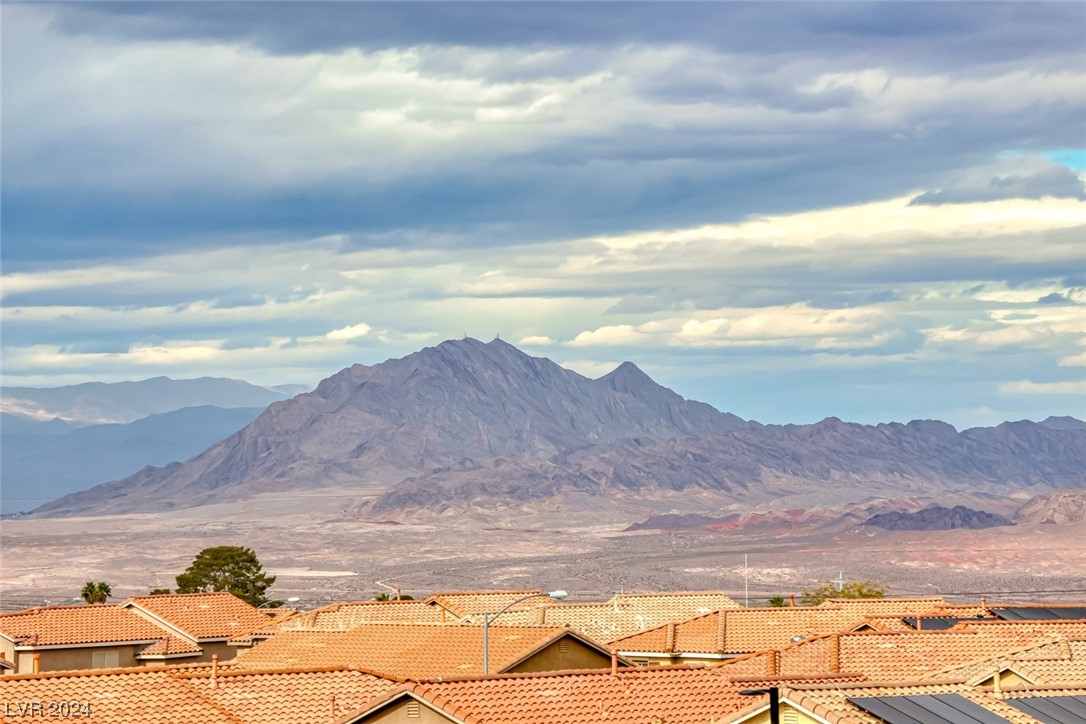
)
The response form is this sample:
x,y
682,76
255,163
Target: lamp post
x,y
292,599
774,701
489,619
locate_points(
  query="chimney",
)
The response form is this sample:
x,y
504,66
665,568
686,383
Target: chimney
x,y
614,662
671,637
792,600
919,623
37,663
721,631
835,654
214,671
771,663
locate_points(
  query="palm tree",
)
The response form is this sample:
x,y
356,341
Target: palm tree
x,y
96,592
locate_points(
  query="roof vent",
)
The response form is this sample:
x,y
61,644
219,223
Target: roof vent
x,y
413,710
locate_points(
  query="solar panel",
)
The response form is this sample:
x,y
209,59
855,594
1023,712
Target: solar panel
x,y
934,623
937,709
1031,613
1053,709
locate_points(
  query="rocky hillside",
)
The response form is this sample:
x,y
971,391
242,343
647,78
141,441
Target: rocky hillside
x,y
458,405
831,462
938,518
1065,506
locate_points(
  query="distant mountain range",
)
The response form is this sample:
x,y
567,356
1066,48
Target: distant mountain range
x,y
54,442
938,518
468,425
95,403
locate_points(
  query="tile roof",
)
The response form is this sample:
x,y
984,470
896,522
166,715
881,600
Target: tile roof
x,y
112,696
342,616
83,624
202,616
294,696
739,631
1050,662
901,656
405,650
169,646
474,603
629,613
675,695
887,606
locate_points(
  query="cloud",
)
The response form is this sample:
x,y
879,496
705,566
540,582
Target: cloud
x,y
535,340
354,331
1014,177
1027,387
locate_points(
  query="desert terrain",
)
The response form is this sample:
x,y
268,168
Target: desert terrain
x,y
325,555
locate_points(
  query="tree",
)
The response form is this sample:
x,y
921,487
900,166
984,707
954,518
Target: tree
x,y
96,592
777,602
157,591
399,597
849,589
227,568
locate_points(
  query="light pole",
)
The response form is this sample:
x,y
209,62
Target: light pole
x,y
292,599
489,619
774,701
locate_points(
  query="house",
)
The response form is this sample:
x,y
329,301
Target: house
x,y
84,637
205,620
430,650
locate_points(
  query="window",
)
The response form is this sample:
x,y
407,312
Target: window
x,y
105,659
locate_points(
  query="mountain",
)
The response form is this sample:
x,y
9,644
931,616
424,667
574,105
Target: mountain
x,y
938,518
1065,422
1065,506
121,402
45,460
460,404
830,462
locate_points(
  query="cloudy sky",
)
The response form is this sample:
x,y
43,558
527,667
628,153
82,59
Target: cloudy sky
x,y
791,211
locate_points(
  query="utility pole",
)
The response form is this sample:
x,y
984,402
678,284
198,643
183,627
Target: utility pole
x,y
746,583
840,580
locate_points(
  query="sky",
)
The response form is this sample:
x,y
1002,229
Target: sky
x,y
790,211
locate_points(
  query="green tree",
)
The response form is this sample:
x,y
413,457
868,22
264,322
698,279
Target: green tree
x,y
96,592
849,589
227,568
157,591
777,602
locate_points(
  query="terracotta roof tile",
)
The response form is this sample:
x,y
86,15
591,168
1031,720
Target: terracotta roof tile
x,y
887,606
115,696
60,625
294,696
880,655
405,650
343,616
676,695
202,616
170,646
474,603
1057,661
739,631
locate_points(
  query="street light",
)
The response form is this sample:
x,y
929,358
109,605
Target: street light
x,y
488,619
292,599
774,701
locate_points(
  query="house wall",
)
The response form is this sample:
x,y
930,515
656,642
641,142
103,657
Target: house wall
x,y
661,660
574,656
74,658
408,711
225,652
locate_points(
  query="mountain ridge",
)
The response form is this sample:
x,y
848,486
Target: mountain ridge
x,y
467,425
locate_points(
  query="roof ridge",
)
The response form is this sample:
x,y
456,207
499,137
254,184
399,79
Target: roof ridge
x,y
622,672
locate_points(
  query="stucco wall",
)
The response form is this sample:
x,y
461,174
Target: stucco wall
x,y
575,656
